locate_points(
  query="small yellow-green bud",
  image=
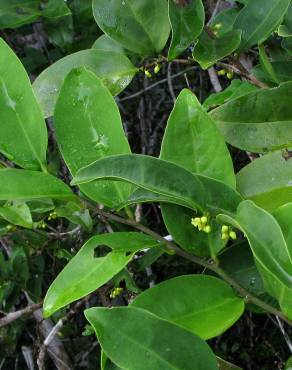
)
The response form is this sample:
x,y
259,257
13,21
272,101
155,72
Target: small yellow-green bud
x,y
225,229
222,72
157,69
204,220
171,252
229,75
115,292
196,221
232,235
217,26
147,73
207,229
225,236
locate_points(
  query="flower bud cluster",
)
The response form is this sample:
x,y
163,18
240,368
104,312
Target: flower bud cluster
x,y
227,232
115,292
202,224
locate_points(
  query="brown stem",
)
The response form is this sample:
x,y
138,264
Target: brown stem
x,y
244,73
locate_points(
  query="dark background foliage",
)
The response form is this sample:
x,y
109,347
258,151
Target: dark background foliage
x,y
254,342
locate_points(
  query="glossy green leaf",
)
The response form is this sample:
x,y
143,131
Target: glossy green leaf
x,y
192,140
258,19
23,137
269,127
17,213
209,50
223,22
15,13
141,195
163,178
202,304
270,250
104,42
282,70
75,214
284,217
177,220
236,89
267,181
238,262
88,127
28,185
138,340
114,69
85,272
267,65
285,30
187,22
140,26
55,9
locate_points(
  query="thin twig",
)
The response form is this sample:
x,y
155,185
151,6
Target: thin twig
x,y
214,79
169,81
156,84
215,11
13,316
51,335
243,73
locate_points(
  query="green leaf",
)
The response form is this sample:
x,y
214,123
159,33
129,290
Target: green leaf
x,y
267,181
236,89
86,273
285,30
288,365
114,69
270,250
223,22
75,214
224,365
202,304
17,213
192,140
282,70
209,50
178,223
27,185
187,22
140,26
258,19
14,13
88,127
284,217
23,137
104,42
163,178
144,196
268,128
136,339
60,32
238,262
